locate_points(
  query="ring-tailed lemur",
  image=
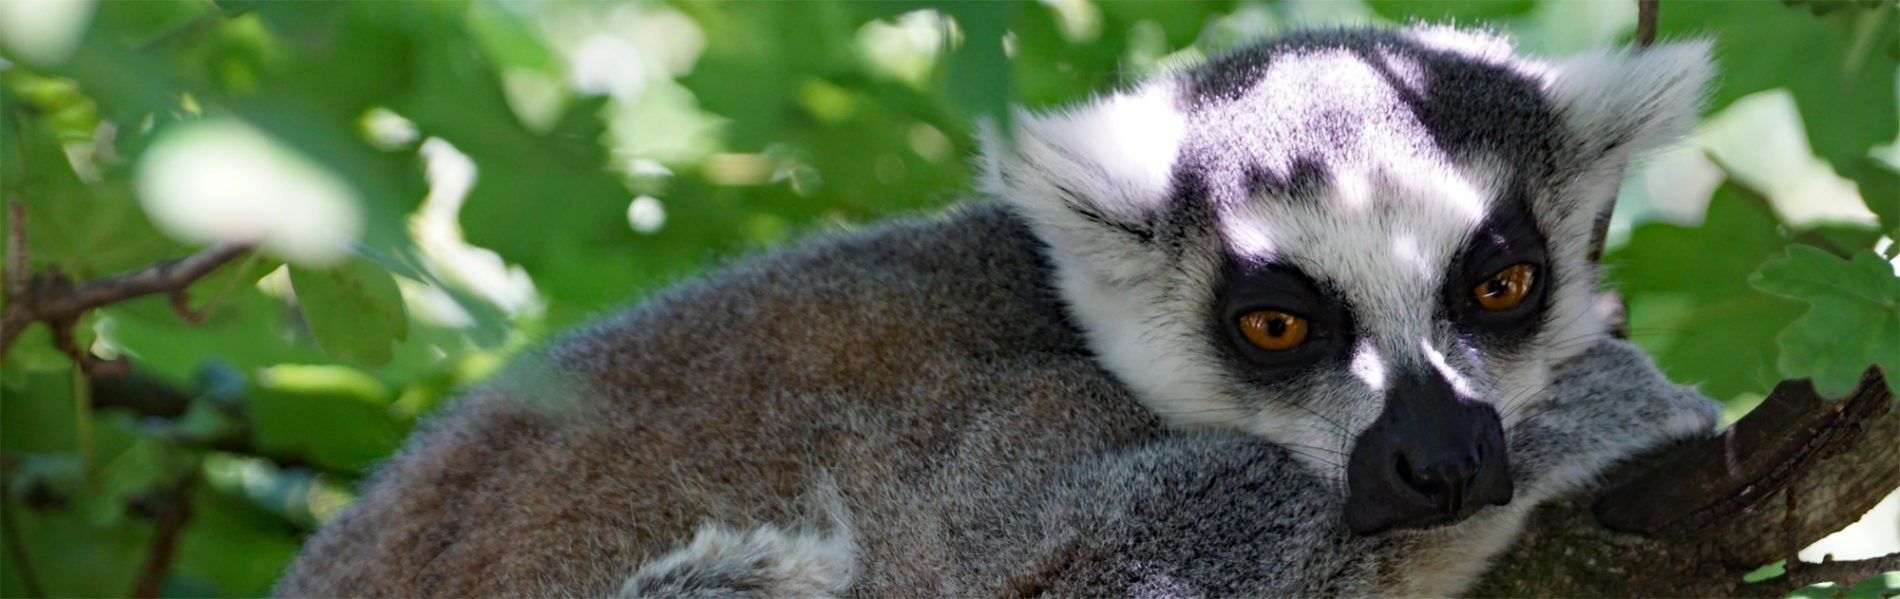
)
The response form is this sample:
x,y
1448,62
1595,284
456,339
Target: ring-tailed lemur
x,y
1365,248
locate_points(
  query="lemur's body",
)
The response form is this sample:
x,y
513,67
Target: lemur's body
x,y
994,401
710,404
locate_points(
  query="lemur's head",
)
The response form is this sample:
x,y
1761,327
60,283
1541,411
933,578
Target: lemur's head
x,y
1368,246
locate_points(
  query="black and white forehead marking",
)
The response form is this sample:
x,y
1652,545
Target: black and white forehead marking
x,y
1366,160
1280,110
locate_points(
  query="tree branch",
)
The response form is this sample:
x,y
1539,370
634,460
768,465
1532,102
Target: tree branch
x,y
1709,483
1700,514
50,297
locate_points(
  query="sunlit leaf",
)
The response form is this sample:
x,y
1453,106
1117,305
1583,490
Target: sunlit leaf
x,y
1853,317
222,180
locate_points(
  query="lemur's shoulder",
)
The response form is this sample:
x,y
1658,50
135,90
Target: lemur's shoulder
x,y
854,307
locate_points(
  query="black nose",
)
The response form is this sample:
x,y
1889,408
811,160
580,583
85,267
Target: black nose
x,y
1431,458
1444,477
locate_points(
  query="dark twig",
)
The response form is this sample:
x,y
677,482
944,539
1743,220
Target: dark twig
x,y
1646,23
1645,37
16,250
16,548
53,298
172,510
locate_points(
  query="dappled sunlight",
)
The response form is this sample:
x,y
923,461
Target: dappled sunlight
x,y
1761,141
1369,366
1437,360
222,180
43,31
439,235
905,47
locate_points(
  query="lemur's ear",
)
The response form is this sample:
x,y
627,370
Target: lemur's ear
x,y
1615,105
1622,102
1093,177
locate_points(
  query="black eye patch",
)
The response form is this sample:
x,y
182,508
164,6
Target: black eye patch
x,y
1250,287
1508,237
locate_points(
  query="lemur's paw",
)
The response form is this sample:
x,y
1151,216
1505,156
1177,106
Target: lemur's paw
x,y
1604,406
1653,411
764,562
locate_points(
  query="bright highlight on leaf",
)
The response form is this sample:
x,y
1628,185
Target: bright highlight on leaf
x,y
43,31
222,180
1853,317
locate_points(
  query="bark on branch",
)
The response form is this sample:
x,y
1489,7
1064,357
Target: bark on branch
x,y
1690,521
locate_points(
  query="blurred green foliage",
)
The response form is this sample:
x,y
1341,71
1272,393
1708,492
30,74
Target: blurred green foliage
x,y
480,173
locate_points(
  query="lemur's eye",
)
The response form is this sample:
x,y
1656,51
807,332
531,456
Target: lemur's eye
x,y
1273,330
1506,289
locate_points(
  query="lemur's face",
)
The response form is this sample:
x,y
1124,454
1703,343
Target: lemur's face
x,y
1369,247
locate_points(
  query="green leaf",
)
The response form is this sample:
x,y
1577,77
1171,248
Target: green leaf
x,y
130,466
1460,11
238,548
248,330
87,230
1692,308
979,74
1842,83
333,417
1049,70
71,555
39,413
354,310
1853,319
1884,584
1880,188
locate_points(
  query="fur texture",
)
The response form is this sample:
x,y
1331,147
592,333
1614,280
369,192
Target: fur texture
x,y
1370,162
1024,397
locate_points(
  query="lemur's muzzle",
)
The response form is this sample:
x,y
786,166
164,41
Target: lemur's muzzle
x,y
1432,458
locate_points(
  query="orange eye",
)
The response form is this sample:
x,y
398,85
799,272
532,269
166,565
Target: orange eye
x,y
1273,330
1506,289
